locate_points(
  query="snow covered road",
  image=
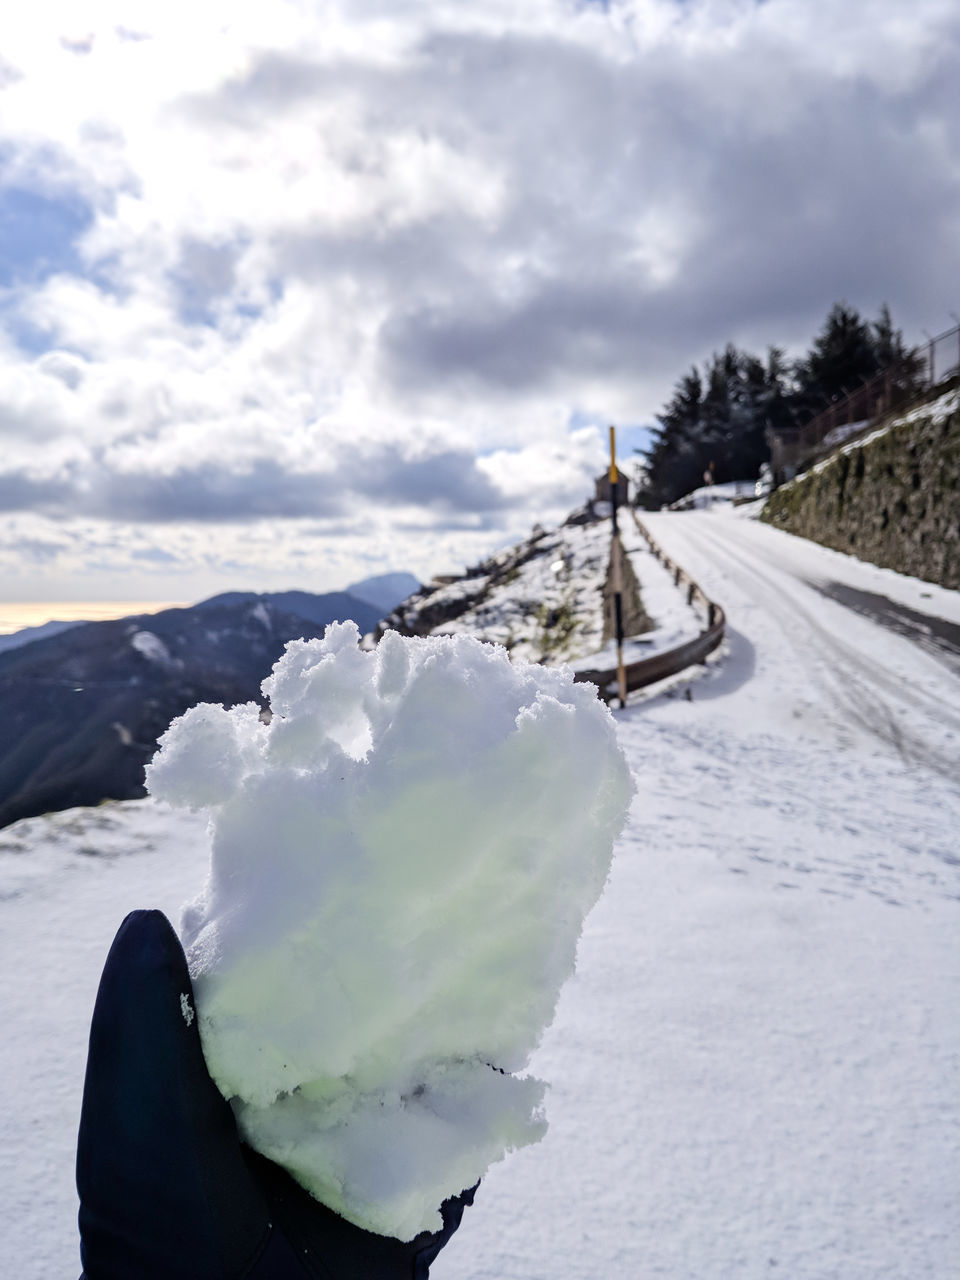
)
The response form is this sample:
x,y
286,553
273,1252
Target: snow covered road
x,y
758,1067
855,675
756,1071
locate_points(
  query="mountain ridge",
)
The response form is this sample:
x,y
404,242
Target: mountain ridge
x,y
81,710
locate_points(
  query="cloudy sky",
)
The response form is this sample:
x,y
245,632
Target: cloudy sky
x,y
293,293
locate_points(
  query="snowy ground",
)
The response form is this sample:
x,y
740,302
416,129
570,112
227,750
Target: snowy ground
x,y
757,1068
562,580
549,608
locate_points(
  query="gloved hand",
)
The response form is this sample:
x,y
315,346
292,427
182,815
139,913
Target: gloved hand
x,y
167,1189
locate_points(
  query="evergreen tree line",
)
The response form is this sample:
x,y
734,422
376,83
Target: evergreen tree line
x,y
717,419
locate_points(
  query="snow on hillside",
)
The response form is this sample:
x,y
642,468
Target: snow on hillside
x,y
710,494
543,599
756,1070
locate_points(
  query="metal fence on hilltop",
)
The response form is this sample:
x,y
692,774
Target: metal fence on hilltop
x,y
941,357
936,361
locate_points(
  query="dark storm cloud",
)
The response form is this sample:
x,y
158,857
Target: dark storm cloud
x,y
445,481
427,255
790,186
592,328
22,491
213,492
845,198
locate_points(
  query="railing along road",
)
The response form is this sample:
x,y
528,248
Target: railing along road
x,y
647,671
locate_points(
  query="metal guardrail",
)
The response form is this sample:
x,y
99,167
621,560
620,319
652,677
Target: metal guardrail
x,y
671,662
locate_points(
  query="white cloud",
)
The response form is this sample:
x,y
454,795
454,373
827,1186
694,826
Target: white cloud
x,y
426,238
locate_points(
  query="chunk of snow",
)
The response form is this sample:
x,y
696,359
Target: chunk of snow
x,y
400,868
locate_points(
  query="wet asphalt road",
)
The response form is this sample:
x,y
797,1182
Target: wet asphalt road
x,y
938,636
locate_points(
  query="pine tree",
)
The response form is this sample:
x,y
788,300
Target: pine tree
x,y
722,416
904,363
673,456
842,358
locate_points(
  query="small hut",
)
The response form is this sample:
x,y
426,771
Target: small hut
x,y
602,491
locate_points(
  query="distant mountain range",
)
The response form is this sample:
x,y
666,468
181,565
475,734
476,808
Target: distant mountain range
x,y
365,602
81,709
334,606
384,592
27,635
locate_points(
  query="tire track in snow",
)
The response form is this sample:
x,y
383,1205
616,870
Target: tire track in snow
x,y
854,661
853,680
781,556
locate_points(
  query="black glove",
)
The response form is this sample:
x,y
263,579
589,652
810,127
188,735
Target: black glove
x,y
167,1189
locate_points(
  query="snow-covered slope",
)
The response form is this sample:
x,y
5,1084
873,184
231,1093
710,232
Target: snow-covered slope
x,y
757,1068
709,495
543,599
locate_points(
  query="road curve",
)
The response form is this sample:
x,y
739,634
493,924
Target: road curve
x,y
853,673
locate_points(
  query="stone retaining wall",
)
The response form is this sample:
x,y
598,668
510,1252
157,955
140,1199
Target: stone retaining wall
x,y
893,500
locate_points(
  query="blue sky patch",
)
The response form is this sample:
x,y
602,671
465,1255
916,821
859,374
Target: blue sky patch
x,y
630,435
38,235
30,338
